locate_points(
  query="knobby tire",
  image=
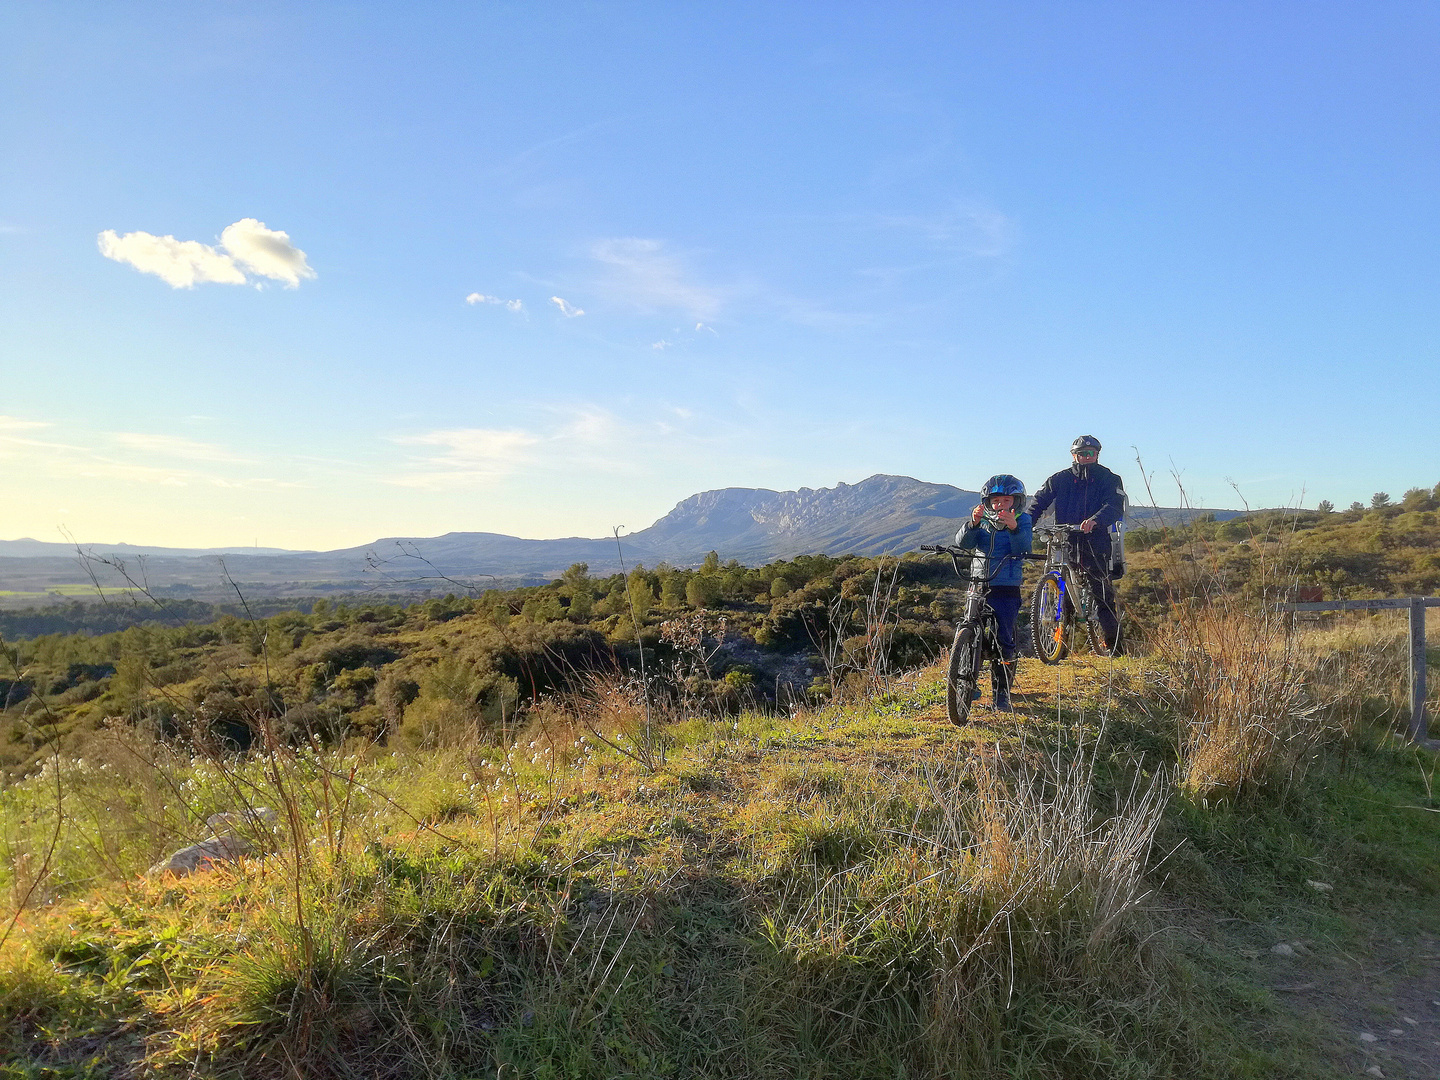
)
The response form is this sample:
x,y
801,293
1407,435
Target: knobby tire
x,y
964,674
1049,635
1097,636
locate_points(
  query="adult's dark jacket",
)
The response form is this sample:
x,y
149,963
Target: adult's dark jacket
x,y
1080,492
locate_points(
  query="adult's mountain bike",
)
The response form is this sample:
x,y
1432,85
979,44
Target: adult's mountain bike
x,y
977,636
1063,601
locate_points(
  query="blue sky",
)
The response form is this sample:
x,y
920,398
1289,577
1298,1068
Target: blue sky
x,y
810,243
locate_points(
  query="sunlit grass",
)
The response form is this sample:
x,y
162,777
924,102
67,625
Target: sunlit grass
x,y
859,890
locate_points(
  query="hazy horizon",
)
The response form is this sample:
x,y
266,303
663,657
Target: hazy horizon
x,y
240,549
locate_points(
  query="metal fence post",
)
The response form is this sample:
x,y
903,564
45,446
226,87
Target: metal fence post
x,y
1418,725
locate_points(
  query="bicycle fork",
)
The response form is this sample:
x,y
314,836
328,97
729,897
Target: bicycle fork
x,y
1061,594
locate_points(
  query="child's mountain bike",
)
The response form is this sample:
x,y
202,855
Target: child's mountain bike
x,y
1063,600
976,636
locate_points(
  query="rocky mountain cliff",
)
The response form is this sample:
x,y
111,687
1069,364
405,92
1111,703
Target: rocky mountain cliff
x,y
879,515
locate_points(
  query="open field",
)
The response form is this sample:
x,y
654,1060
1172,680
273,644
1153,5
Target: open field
x,y
854,890
65,590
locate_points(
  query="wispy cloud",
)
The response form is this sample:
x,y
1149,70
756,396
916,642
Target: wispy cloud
x,y
248,248
975,231
481,298
644,274
14,423
134,457
176,446
460,457
568,437
661,345
566,309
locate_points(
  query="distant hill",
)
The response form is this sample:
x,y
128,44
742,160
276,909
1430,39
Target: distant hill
x,y
26,548
880,515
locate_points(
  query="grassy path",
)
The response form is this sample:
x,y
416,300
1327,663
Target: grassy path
x,y
861,890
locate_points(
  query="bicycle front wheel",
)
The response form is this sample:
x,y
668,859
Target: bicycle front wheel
x,y
1050,619
964,675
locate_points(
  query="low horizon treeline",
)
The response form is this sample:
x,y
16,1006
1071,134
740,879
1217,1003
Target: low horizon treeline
x,y
375,670
721,634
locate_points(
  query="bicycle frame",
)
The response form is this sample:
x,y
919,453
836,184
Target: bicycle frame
x,y
1065,584
977,594
1060,559
977,632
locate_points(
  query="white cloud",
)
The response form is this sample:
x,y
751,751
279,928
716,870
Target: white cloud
x,y
661,345
465,456
481,298
10,438
643,273
699,326
175,446
565,308
183,264
167,460
968,231
266,252
565,437
589,426
14,423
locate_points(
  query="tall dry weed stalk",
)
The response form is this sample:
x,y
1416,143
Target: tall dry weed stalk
x,y
854,631
614,709
1235,673
1006,881
1238,682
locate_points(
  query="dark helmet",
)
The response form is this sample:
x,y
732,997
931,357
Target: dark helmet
x,y
1003,484
1085,442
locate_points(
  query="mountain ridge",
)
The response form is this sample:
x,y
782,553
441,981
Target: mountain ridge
x,y
880,515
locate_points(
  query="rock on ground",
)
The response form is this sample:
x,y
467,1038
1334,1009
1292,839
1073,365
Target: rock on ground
x,y
203,855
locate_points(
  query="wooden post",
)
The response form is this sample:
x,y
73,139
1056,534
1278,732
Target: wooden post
x,y
1418,732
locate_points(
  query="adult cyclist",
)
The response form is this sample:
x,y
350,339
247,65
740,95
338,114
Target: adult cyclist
x,y
1089,498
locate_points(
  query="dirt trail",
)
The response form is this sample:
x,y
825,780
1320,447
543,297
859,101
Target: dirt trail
x,y
1383,1010
1379,1010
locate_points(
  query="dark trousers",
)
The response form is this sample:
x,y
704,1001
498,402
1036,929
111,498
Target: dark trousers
x,y
1005,599
1095,561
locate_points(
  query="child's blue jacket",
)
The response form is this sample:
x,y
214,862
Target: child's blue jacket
x,y
997,544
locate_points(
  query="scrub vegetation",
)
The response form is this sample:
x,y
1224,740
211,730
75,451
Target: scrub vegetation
x,y
498,849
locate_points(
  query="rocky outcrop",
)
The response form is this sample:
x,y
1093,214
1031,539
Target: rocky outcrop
x,y
235,836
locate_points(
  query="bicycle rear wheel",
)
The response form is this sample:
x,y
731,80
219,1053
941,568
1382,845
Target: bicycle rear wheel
x,y
963,678
1096,633
1050,630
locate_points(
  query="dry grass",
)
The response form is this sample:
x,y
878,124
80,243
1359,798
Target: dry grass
x,y
1259,700
1361,667
1238,683
955,892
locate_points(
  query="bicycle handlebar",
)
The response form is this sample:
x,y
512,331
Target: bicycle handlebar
x,y
951,549
956,552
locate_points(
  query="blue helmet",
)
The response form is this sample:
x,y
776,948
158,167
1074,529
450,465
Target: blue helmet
x,y
1003,484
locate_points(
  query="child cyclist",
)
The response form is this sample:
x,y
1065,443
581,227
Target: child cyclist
x,y
1000,528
